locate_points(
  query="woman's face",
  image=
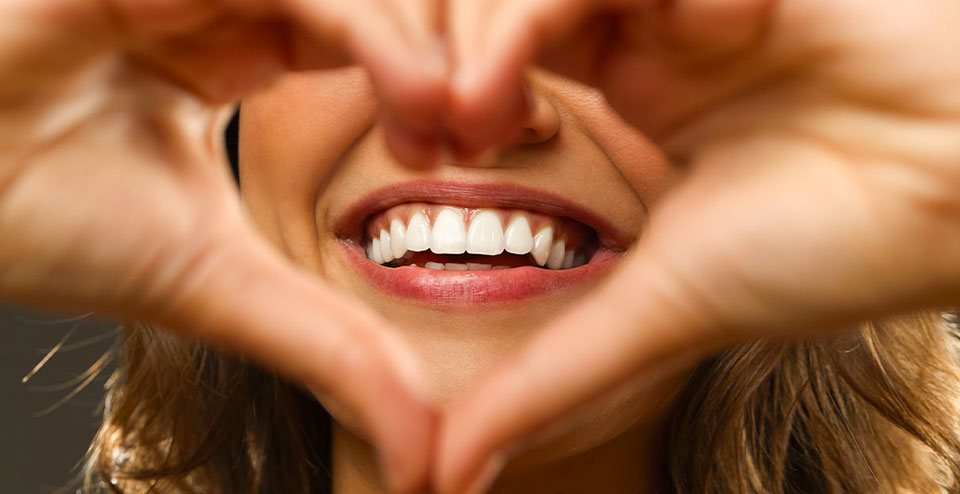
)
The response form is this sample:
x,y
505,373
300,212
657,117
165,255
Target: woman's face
x,y
468,260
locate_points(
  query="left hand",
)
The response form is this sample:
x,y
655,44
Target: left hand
x,y
114,195
822,142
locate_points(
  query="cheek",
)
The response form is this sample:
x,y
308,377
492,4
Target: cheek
x,y
291,137
637,158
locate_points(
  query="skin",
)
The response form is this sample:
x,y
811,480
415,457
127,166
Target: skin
x,y
796,141
841,170
115,197
311,145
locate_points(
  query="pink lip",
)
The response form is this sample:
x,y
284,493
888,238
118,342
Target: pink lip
x,y
453,288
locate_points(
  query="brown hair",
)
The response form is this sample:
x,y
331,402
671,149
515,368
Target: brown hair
x,y
874,411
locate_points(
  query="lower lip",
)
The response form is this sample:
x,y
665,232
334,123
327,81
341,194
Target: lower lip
x,y
446,288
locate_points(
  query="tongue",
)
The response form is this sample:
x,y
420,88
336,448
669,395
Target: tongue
x,y
505,259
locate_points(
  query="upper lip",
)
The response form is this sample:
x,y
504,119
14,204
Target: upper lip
x,y
494,195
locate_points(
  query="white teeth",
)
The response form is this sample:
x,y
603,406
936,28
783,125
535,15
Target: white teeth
x,y
559,250
517,237
485,235
449,234
418,233
375,255
398,244
386,252
370,250
541,245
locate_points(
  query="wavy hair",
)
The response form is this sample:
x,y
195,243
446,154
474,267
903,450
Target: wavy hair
x,y
875,411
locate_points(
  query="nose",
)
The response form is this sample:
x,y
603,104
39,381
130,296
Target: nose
x,y
540,126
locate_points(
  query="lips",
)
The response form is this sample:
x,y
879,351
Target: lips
x,y
450,243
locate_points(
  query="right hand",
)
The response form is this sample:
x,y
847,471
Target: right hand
x,y
817,141
115,196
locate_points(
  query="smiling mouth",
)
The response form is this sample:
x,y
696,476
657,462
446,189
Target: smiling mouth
x,y
455,238
457,245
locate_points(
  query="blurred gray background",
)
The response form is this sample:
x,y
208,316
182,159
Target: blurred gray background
x,y
44,428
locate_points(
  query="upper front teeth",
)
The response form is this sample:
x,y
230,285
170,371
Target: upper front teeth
x,y
449,233
485,235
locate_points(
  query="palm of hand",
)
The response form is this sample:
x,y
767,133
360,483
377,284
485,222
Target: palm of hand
x,y
116,154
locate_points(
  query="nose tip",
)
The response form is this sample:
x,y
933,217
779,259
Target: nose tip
x,y
541,125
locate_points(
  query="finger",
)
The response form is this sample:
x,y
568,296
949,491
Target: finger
x,y
714,27
245,297
413,118
160,17
492,43
223,50
398,43
633,49
638,325
220,64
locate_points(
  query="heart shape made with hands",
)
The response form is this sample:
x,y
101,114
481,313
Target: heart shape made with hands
x,y
812,160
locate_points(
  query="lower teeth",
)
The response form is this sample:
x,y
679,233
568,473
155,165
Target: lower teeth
x,y
474,266
453,266
431,261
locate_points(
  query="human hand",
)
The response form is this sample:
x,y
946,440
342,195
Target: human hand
x,y
115,195
821,140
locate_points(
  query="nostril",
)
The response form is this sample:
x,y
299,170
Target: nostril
x,y
543,123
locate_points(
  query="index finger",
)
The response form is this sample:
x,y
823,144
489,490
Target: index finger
x,y
492,44
247,298
398,42
638,325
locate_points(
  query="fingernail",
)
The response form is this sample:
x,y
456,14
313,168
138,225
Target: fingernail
x,y
488,474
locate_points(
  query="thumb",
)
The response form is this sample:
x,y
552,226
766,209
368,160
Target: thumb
x,y
638,326
247,298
